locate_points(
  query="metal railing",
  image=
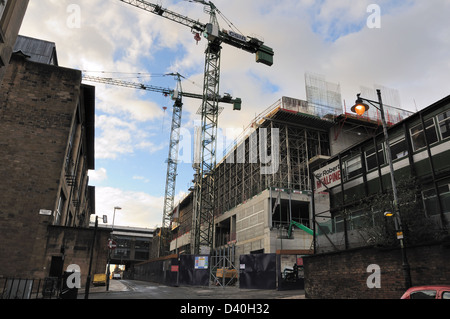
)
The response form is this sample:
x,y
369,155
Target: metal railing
x,y
21,288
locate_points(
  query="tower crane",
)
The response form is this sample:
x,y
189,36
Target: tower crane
x,y
172,160
204,192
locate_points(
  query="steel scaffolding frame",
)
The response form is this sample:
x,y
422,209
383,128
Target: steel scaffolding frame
x,y
238,176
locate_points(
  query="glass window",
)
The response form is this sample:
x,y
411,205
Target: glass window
x,y
358,220
444,124
444,194
430,199
446,295
59,209
352,167
399,148
371,160
418,136
423,294
339,224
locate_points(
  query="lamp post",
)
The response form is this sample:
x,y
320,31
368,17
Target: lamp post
x,y
88,280
109,249
114,216
360,108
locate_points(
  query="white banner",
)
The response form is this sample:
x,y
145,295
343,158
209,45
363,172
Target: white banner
x,y
329,176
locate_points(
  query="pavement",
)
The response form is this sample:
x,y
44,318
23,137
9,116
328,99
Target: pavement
x,y
114,285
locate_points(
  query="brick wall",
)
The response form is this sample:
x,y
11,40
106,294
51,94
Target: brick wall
x,y
77,243
343,275
37,104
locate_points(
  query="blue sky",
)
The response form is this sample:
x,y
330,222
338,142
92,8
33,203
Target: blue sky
x,y
409,52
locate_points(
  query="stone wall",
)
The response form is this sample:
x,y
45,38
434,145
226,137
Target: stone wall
x,y
37,105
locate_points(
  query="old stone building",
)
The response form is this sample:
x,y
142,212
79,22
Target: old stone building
x,y
46,149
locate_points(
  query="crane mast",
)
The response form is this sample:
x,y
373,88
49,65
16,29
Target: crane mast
x,y
172,160
204,191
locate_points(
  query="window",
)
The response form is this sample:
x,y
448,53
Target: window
x,y
446,295
371,160
430,199
142,248
444,124
357,220
352,167
2,7
423,294
444,194
123,247
418,136
60,208
399,148
339,224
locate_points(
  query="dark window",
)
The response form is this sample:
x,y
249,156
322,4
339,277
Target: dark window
x,y
371,160
418,136
352,167
423,294
444,124
430,199
399,148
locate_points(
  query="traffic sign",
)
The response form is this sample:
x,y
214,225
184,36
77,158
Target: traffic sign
x,y
112,244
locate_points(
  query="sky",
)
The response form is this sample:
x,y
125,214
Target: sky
x,y
403,45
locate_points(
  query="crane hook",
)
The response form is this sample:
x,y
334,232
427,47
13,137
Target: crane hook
x,y
197,37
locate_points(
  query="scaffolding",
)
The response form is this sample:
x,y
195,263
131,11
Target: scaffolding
x,y
322,96
288,129
288,133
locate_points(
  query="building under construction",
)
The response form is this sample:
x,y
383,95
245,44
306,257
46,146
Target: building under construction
x,y
262,185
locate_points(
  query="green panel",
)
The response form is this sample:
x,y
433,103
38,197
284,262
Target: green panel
x,y
264,55
237,104
441,161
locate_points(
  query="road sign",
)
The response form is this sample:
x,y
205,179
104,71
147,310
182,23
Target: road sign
x,y
112,244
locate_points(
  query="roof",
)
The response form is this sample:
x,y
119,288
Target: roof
x,y
37,50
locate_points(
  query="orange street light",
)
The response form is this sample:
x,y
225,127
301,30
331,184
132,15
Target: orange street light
x,y
360,107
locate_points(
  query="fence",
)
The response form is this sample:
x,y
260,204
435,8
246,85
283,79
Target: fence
x,y
20,288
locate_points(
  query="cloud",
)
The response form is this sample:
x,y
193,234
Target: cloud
x,y
141,178
138,208
329,37
98,175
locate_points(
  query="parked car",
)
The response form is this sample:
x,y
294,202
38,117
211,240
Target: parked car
x,y
117,276
428,292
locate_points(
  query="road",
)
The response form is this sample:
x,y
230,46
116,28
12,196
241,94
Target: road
x,y
132,289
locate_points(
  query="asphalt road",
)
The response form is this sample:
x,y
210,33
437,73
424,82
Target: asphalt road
x,y
132,289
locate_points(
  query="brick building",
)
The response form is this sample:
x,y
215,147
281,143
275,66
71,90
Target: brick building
x,y
11,16
46,149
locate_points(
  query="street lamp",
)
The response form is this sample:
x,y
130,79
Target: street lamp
x,y
360,108
109,251
88,280
114,216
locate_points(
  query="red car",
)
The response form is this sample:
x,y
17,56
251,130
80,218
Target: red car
x,y
428,292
